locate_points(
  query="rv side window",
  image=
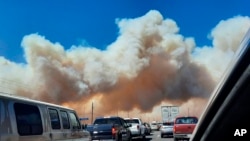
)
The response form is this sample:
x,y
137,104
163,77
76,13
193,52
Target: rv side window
x,y
65,120
75,123
2,116
1,111
54,118
28,119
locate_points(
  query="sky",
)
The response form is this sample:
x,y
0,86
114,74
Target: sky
x,y
92,22
138,54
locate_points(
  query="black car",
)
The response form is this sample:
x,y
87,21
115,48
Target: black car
x,y
110,128
227,114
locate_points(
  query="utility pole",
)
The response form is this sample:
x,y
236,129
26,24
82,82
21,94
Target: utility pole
x,y
92,113
84,110
118,109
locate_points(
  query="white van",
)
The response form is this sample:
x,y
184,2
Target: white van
x,y
23,119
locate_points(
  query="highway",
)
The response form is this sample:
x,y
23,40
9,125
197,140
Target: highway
x,y
156,136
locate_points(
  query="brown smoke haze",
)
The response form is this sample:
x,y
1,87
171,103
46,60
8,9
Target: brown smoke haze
x,y
149,64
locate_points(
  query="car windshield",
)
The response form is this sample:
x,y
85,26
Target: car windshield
x,y
152,60
186,120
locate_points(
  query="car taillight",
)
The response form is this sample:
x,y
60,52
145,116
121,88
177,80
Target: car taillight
x,y
138,127
113,130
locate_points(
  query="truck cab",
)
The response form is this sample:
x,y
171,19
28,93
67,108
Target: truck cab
x,y
109,128
184,127
137,127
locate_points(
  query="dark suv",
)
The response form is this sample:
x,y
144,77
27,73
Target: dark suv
x,y
110,128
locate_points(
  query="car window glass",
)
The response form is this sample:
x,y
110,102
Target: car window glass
x,y
65,120
123,122
186,120
54,118
132,121
100,121
114,121
1,111
168,123
28,119
4,118
75,123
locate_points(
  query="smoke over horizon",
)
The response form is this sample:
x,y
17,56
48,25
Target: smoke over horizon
x,y
150,63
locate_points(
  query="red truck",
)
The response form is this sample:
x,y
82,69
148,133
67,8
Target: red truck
x,y
184,127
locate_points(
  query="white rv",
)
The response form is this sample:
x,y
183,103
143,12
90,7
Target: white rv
x,y
23,119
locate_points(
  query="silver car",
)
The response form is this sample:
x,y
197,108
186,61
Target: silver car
x,y
167,129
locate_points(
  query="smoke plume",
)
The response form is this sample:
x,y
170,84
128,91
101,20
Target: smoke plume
x,y
149,63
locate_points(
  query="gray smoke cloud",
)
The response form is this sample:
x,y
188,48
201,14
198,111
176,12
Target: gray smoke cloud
x,y
149,63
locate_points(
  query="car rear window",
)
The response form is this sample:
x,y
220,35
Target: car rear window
x,y
107,121
132,121
168,123
186,120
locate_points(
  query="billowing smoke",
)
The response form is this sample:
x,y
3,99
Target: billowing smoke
x,y
149,63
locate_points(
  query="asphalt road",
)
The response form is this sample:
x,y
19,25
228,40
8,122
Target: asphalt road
x,y
156,136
